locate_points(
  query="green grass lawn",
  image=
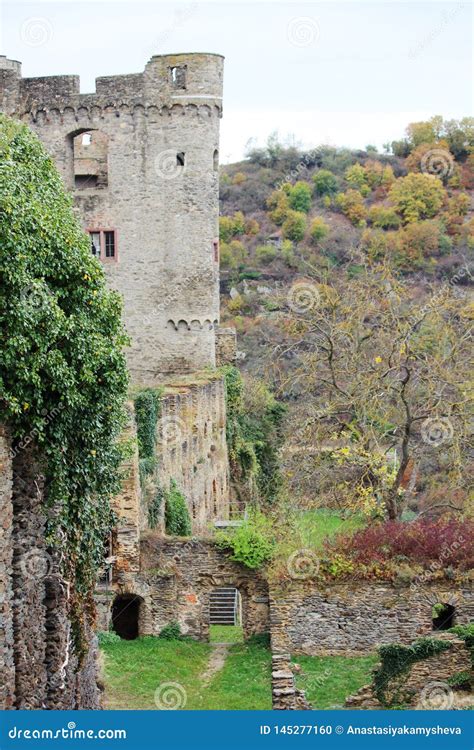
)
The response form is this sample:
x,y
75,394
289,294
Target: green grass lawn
x,y
244,684
320,524
133,670
226,634
329,680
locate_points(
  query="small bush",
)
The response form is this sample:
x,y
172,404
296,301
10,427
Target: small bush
x,y
300,197
294,226
171,632
352,205
107,636
177,520
384,217
251,544
265,254
319,230
325,182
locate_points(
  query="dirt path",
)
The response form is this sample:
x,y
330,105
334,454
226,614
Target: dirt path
x,y
216,661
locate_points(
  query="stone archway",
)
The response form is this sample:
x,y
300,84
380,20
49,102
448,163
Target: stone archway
x,y
126,616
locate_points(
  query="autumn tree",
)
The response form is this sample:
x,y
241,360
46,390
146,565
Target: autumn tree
x,y
386,381
417,196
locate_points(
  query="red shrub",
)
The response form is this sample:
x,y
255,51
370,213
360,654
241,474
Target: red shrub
x,y
445,541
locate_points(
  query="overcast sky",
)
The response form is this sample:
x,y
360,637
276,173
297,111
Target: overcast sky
x,y
346,73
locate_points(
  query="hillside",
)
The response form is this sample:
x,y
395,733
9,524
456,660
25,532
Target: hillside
x,y
292,220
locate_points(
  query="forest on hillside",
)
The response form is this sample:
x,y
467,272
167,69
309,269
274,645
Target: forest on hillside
x,y
348,276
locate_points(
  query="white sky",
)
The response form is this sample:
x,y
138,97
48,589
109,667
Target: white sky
x,y
346,73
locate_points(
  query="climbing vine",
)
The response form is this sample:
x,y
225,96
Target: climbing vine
x,y
147,412
396,661
63,377
177,520
254,434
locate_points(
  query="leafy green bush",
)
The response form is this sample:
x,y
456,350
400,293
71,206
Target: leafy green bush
x,y
154,507
325,182
318,230
294,226
107,636
300,197
171,632
177,520
252,543
63,374
265,254
147,411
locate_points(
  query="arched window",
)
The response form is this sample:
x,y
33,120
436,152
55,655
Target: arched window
x,y
89,152
215,160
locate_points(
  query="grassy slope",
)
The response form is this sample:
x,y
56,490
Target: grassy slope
x,y
318,525
329,680
133,670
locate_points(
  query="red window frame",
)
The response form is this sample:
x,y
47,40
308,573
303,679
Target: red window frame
x,y
101,232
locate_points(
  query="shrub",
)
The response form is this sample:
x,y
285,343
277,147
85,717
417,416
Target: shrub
x,y
294,226
417,196
357,179
177,520
378,175
239,178
230,226
300,197
233,254
352,205
265,254
279,206
384,217
171,632
318,230
107,636
444,541
325,182
251,543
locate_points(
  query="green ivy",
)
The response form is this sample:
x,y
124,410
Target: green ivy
x,y
147,412
253,439
177,520
396,661
154,507
63,377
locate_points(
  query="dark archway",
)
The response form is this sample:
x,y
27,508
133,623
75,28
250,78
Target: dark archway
x,y
125,616
443,616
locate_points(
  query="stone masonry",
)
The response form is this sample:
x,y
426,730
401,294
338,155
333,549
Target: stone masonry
x,y
356,617
141,157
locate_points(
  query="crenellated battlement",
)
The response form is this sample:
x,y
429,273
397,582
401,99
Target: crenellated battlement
x,y
170,84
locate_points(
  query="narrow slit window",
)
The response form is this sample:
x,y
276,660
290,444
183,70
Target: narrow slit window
x,y
180,158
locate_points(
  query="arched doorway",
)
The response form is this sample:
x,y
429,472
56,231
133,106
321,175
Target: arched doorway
x,y
125,616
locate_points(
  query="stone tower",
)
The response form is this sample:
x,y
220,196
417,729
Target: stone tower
x,y
141,156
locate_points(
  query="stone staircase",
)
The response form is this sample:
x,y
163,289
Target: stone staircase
x,y
224,607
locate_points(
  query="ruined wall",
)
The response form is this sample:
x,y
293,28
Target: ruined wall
x,y
165,213
425,685
38,666
192,448
175,580
226,346
285,695
313,619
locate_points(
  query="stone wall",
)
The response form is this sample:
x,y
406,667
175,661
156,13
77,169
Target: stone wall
x,y
285,695
314,618
38,666
425,685
175,580
226,346
192,448
165,214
